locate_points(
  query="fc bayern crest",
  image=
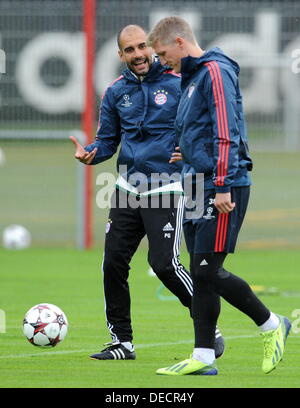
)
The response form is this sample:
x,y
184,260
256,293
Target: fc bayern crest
x,y
160,97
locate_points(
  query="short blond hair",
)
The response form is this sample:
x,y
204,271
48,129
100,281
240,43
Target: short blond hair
x,y
168,29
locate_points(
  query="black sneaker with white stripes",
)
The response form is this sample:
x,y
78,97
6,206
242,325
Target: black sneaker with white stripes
x,y
115,351
219,344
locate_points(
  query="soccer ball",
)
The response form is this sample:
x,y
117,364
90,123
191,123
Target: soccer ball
x,y
45,325
16,237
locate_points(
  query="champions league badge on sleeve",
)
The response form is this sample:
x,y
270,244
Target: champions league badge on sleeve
x,y
160,97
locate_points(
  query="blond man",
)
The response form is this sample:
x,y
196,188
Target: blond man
x,y
213,141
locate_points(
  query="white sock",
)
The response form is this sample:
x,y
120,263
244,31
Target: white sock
x,y
205,355
128,345
271,324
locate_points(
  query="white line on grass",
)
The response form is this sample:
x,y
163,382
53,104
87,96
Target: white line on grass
x,y
51,352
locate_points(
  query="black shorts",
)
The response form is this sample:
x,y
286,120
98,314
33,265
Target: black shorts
x,y
215,232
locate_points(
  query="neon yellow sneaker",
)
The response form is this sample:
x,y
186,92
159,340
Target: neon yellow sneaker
x,y
274,343
190,366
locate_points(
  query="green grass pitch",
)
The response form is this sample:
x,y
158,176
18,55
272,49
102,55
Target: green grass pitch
x,y
162,328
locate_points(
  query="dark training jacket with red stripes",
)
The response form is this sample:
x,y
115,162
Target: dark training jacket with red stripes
x,y
140,116
210,122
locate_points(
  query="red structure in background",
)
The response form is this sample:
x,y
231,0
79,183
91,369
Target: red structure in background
x,y
88,115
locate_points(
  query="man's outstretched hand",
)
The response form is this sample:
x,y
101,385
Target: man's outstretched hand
x,y
82,155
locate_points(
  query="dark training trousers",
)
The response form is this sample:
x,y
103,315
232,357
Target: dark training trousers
x,y
209,240
124,231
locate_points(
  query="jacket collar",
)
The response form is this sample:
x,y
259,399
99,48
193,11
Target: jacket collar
x,y
191,64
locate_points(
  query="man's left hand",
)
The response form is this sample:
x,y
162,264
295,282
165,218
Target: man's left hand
x,y
176,156
223,203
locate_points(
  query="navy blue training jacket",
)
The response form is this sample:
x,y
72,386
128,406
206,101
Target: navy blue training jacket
x,y
210,122
140,115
